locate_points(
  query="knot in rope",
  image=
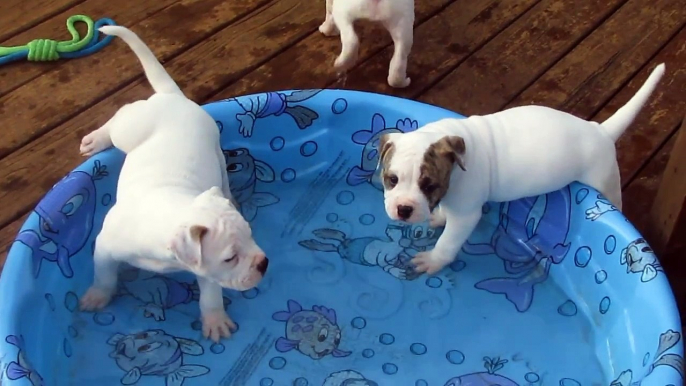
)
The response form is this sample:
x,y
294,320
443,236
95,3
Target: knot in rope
x,y
43,50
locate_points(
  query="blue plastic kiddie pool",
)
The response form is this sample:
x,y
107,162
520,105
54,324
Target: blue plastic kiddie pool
x,y
558,289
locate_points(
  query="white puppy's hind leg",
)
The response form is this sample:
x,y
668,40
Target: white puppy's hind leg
x,y
328,28
97,141
104,283
402,34
607,182
216,323
349,43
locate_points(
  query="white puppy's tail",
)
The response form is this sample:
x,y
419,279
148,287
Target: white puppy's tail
x,y
620,120
158,77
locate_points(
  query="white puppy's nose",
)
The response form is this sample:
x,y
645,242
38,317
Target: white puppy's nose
x,y
405,211
262,266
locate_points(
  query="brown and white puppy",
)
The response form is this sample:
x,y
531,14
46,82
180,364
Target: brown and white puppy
x,y
446,170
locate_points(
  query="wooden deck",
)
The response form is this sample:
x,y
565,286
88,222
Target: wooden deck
x,y
586,57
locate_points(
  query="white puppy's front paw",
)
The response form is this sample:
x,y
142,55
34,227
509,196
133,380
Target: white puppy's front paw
x,y
399,80
217,324
328,28
95,299
95,142
428,262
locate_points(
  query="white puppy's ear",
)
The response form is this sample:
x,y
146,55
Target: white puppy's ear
x,y
187,244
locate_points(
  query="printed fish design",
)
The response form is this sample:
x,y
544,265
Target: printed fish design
x,y
348,378
367,171
155,353
314,333
244,172
21,368
668,340
639,257
159,293
65,220
528,243
274,104
487,378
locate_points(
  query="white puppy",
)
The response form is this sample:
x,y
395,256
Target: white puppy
x,y
173,210
396,15
447,170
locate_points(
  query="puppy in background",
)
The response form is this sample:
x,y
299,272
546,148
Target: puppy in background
x,y
446,170
396,15
174,209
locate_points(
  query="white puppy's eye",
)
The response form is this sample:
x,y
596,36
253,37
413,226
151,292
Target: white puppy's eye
x,y
230,259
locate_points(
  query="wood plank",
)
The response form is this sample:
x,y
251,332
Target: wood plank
x,y
661,114
667,221
436,50
38,106
19,15
590,75
241,46
129,13
507,65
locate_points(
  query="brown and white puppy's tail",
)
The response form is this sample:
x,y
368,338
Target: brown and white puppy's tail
x,y
620,120
158,77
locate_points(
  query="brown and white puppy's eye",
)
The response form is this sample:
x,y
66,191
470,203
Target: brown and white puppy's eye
x,y
387,147
437,166
390,180
232,258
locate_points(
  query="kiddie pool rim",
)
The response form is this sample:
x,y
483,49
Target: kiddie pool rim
x,y
17,263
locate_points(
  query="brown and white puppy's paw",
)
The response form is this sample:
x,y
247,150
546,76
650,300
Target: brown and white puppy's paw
x,y
429,262
216,325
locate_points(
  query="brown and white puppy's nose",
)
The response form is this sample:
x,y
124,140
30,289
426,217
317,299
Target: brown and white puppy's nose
x,y
405,211
262,266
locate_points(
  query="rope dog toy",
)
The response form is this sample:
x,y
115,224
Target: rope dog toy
x,y
44,50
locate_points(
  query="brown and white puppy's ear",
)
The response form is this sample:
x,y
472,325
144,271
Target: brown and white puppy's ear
x,y
437,166
386,151
453,148
186,245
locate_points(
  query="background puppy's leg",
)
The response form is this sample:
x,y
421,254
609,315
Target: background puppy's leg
x,y
402,34
215,321
457,230
328,28
104,282
349,42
